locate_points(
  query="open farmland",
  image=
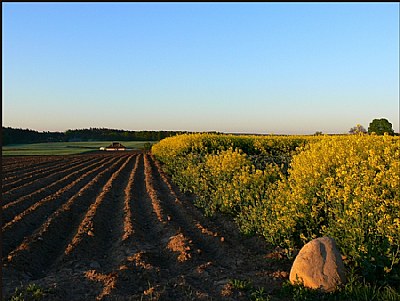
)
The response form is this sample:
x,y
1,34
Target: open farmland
x,y
64,148
113,226
293,189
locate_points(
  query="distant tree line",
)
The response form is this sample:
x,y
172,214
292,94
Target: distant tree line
x,y
377,127
22,136
103,134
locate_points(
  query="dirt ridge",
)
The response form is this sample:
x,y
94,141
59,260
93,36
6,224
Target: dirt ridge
x,y
115,227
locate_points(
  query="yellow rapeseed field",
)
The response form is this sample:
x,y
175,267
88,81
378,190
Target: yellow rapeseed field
x,y
291,189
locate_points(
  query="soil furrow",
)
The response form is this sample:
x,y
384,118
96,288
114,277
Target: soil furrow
x,y
15,161
196,217
206,225
212,246
178,259
115,227
155,202
30,219
128,228
12,163
21,171
31,165
98,241
9,161
40,184
103,222
147,258
20,180
38,252
199,248
145,223
13,208
41,188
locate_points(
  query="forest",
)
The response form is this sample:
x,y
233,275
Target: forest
x,y
22,136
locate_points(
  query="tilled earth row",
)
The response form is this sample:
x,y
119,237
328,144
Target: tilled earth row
x,y
114,227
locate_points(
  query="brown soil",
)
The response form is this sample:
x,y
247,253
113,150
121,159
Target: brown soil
x,y
114,227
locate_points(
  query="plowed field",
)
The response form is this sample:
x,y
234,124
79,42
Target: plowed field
x,y
112,226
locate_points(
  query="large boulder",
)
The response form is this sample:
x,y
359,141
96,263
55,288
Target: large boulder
x,y
319,265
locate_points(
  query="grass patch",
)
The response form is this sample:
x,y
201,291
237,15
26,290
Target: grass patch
x,y
353,290
244,285
31,292
66,148
252,292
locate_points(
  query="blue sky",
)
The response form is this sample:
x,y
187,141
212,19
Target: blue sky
x,y
282,68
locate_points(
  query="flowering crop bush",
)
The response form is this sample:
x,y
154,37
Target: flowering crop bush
x,y
293,189
349,188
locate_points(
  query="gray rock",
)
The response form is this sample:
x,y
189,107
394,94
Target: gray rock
x,y
319,265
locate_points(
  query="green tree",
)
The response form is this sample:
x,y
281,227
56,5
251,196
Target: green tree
x,y
380,127
358,129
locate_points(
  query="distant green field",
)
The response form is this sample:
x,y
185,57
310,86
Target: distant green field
x,y
64,148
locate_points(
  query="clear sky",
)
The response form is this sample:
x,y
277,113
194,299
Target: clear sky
x,y
282,68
